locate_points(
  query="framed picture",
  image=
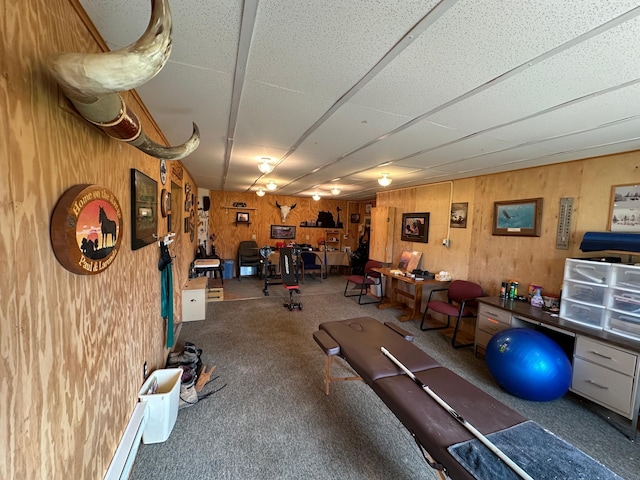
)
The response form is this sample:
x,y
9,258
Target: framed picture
x,y
165,202
459,215
415,227
287,232
355,218
518,217
624,213
242,217
144,209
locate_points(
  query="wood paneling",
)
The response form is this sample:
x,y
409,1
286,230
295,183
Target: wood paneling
x,y
263,213
477,255
72,346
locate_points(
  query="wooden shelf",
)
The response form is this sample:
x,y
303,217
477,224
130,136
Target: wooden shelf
x,y
227,207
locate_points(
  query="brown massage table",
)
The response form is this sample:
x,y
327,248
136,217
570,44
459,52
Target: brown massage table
x,y
358,341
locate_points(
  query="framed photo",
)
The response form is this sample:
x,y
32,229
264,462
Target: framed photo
x,y
415,227
144,209
624,213
459,215
518,217
287,232
242,217
165,202
355,218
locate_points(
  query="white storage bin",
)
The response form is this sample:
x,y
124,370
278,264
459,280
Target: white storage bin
x,y
625,276
589,315
163,404
623,323
583,292
586,271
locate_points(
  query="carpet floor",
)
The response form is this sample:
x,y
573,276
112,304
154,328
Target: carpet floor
x,y
267,416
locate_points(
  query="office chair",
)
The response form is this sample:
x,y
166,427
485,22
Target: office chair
x,y
364,281
461,303
249,256
311,262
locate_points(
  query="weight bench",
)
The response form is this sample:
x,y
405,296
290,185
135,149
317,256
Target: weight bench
x,y
447,445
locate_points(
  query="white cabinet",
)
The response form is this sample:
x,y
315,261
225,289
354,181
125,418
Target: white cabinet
x,y
606,375
194,299
490,321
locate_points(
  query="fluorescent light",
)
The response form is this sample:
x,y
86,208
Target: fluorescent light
x,y
260,192
385,181
335,190
265,167
271,185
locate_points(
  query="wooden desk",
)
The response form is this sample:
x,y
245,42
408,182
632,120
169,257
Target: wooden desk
x,y
394,291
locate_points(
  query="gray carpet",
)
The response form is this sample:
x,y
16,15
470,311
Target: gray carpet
x,y
273,421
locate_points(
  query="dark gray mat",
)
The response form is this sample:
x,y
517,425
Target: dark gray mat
x,y
537,451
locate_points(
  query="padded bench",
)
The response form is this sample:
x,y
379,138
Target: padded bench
x,y
358,341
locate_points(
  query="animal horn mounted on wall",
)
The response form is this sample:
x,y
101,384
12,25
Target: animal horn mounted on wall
x,y
92,82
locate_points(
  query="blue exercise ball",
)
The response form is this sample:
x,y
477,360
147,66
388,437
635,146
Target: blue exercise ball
x,y
528,364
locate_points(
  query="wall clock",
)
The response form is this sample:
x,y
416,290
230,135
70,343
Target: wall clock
x,y
86,229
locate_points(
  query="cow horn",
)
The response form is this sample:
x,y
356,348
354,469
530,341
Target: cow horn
x,y
277,204
294,205
92,82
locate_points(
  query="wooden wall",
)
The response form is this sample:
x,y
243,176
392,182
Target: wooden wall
x,y
72,347
477,255
263,213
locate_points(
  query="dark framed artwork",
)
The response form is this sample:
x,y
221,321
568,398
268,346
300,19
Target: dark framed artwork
x,y
242,217
144,209
518,217
355,218
286,232
415,227
624,213
459,213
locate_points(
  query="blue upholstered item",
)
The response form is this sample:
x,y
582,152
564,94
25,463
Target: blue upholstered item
x,y
537,451
599,241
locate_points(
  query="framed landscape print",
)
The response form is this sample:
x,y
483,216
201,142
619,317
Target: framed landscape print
x,y
144,209
624,215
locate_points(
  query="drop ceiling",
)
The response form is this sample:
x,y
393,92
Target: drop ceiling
x,y
337,93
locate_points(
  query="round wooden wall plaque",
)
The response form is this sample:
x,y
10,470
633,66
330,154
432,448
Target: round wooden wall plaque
x,y
86,229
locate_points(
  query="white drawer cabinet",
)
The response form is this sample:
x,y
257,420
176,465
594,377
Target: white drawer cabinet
x,y
606,375
194,299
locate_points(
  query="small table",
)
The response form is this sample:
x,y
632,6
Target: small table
x,y
394,291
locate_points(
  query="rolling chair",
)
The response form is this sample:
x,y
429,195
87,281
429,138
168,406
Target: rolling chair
x,y
249,256
364,281
461,303
312,263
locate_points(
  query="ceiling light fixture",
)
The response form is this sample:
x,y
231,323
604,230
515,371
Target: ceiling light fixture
x,y
260,192
316,197
385,181
265,166
335,190
271,185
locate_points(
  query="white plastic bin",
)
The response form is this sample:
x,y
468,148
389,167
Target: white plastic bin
x,y
163,404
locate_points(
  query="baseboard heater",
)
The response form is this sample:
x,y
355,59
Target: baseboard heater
x,y
122,461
